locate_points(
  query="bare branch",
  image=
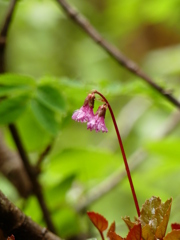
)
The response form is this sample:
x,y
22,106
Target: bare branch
x,y
32,175
3,33
12,168
121,59
13,221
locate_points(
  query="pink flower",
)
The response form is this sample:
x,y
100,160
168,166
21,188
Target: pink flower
x,y
85,113
97,122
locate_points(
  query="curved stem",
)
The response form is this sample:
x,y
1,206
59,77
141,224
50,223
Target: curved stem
x,y
123,152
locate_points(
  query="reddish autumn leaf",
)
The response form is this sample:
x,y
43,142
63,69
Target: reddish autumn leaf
x,y
163,211
128,222
98,220
175,226
134,233
11,237
112,228
114,236
147,233
156,215
175,235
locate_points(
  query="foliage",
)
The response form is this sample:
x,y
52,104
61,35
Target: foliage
x,y
52,66
151,224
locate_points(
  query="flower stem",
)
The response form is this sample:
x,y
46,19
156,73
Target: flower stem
x,y
123,153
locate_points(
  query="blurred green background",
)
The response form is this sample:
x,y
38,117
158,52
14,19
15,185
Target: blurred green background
x,y
63,63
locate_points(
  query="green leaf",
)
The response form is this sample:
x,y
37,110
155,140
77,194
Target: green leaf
x,y
44,116
15,84
16,89
51,98
36,139
12,108
14,79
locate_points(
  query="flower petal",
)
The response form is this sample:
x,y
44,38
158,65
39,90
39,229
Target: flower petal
x,y
84,114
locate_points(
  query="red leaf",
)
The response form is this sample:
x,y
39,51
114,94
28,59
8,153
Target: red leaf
x,y
128,222
147,234
134,233
11,237
156,214
111,229
175,226
114,236
98,220
175,235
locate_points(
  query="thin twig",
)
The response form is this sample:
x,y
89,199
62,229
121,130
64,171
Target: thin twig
x,y
13,221
42,156
3,34
32,175
80,20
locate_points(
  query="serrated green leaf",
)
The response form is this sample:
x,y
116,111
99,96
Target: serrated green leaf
x,y
13,89
51,98
44,116
12,108
34,136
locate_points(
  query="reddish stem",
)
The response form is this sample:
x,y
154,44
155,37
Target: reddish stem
x,y
102,236
123,153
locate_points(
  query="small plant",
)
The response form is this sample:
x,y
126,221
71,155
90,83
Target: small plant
x,y
11,237
152,220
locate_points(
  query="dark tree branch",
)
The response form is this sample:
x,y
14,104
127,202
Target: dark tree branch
x,y
7,157
3,34
13,221
32,175
80,20
12,168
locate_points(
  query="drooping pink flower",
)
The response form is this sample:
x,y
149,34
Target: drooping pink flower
x,y
97,122
85,113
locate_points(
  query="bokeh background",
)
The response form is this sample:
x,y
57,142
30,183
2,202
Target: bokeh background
x,y
46,45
